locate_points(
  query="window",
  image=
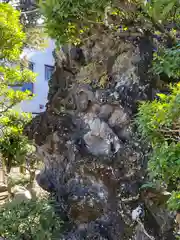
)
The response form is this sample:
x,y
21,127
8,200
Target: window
x,y
31,66
25,86
48,72
28,86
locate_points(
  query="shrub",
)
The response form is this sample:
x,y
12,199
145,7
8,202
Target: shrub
x,y
13,145
32,220
159,123
65,20
167,60
174,201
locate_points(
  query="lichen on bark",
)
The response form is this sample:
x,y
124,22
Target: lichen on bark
x,y
94,160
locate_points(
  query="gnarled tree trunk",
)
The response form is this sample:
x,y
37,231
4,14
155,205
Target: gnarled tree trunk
x,y
94,159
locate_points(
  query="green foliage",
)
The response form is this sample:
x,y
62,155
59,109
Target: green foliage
x,y
163,9
174,201
22,180
11,34
30,13
36,38
11,42
13,145
15,75
29,17
65,20
167,60
29,220
74,21
159,123
165,162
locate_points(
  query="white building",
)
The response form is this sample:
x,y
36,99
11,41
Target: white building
x,y
42,63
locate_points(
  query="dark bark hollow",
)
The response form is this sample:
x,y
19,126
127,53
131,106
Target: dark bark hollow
x,y
94,160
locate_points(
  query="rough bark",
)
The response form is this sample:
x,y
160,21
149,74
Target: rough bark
x,y
94,159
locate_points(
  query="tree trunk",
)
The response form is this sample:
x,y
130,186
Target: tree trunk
x,y
22,169
32,177
8,170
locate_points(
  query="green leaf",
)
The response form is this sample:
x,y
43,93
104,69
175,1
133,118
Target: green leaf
x,y
162,96
168,8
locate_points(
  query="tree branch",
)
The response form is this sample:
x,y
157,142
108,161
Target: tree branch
x,y
30,11
7,108
144,230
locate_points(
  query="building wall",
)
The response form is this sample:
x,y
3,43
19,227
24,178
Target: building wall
x,y
40,87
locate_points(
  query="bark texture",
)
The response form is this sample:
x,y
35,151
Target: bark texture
x,y
94,160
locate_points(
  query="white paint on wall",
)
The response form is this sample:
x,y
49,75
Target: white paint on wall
x,y
39,58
